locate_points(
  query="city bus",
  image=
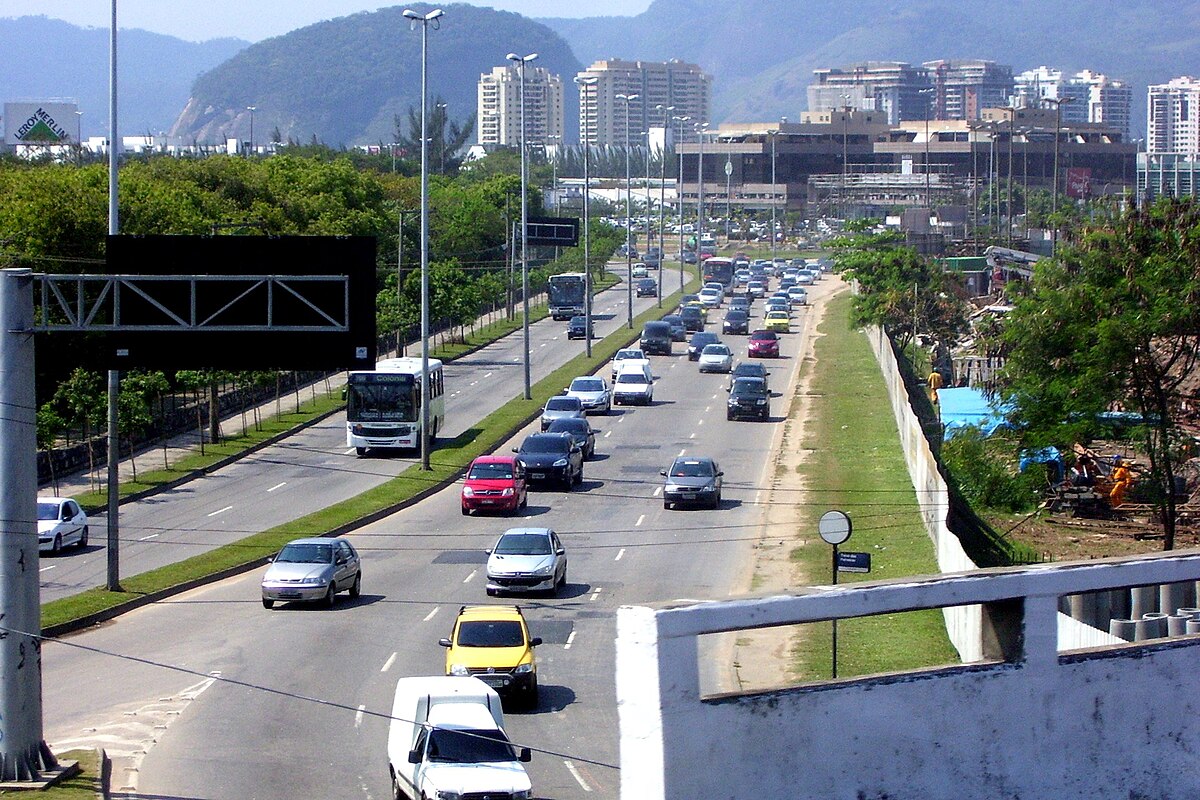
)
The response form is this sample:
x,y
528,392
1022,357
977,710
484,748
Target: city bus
x,y
383,405
719,269
568,295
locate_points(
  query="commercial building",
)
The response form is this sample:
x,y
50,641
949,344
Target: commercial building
x,y
1089,96
1173,117
963,88
499,106
891,87
658,85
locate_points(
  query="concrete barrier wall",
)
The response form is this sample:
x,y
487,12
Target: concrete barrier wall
x,y
1035,724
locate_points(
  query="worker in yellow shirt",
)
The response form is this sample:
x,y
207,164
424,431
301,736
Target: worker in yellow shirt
x,y
935,383
1122,479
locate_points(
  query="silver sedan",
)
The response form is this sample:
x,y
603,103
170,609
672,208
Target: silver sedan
x,y
312,570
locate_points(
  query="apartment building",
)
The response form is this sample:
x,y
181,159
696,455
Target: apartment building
x,y
499,106
891,87
1089,96
1173,116
963,88
606,119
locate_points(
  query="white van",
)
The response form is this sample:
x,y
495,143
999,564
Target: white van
x,y
446,738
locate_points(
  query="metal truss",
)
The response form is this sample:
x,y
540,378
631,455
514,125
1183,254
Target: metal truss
x,y
231,303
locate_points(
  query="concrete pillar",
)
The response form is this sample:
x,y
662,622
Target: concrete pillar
x,y
1104,610
22,753
1119,601
1192,625
1172,596
1122,628
1143,600
1177,624
1190,611
1151,626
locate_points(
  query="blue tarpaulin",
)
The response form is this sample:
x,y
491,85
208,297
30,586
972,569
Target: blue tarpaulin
x,y
964,407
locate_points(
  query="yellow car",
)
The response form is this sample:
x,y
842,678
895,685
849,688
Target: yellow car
x,y
492,643
777,321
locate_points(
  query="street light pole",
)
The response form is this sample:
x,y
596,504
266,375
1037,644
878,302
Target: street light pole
x,y
521,61
679,195
662,201
845,151
252,109
928,195
424,20
1012,118
774,235
701,129
1058,102
586,83
443,112
628,98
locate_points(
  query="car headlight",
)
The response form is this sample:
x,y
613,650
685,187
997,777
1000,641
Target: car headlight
x,y
448,794
562,462
468,491
546,570
317,581
760,402
711,487
523,669
460,670
507,492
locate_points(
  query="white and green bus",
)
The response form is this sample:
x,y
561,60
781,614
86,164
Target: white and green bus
x,y
383,406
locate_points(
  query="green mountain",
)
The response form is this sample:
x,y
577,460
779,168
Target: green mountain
x,y
344,80
762,52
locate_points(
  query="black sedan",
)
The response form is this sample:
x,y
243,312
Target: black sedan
x,y
693,318
699,340
580,430
551,458
577,328
736,321
646,287
748,398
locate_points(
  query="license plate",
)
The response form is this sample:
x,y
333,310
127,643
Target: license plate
x,y
689,495
488,502
537,476
290,595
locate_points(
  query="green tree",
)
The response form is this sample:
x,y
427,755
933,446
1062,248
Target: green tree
x,y
81,399
1113,322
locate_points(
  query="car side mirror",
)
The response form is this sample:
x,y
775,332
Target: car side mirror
x,y
340,560
516,450
489,552
720,472
526,755
535,641
414,756
560,551
444,642
728,389
662,472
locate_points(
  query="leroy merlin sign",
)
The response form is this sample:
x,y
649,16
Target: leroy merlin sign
x,y
40,123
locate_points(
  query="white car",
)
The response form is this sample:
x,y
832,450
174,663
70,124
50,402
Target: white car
x,y
720,287
633,384
639,271
756,289
798,296
593,393
632,355
715,358
527,560
60,522
710,298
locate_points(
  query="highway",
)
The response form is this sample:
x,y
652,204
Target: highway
x,y
299,707
314,468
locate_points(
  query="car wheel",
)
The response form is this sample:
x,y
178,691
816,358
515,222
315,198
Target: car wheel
x,y
531,695
83,537
579,476
268,603
525,500
491,592
330,596
666,506
562,581
466,511
728,416
356,587
397,793
57,547
717,501
360,451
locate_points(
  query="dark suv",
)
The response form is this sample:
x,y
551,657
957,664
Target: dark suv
x,y
551,458
577,328
748,397
693,318
656,338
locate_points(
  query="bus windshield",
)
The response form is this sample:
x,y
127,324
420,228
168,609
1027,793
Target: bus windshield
x,y
393,401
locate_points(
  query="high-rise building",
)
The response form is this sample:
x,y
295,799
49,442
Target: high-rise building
x,y
657,84
962,89
1093,97
1173,116
499,106
891,87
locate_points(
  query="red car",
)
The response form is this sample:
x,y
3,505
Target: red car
x,y
494,483
764,344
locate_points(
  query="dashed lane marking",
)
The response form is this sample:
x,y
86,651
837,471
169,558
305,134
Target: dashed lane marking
x,y
220,511
391,660
570,641
470,577
620,553
431,614
277,486
640,519
153,536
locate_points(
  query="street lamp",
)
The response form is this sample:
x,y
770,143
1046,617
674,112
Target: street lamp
x,y
845,150
1008,217
628,98
928,196
1058,103
662,201
443,109
555,140
587,83
679,194
424,20
701,129
521,61
774,135
252,109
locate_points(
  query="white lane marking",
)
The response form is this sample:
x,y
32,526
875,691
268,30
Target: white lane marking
x,y
44,569
715,396
388,664
638,524
707,409
621,418
620,553
220,511
350,452
544,344
358,717
681,452
153,536
595,594
277,486
473,383
701,422
657,491
487,375
693,436
470,577
607,434
570,641
431,614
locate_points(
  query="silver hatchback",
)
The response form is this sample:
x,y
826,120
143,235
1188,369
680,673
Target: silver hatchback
x,y
312,570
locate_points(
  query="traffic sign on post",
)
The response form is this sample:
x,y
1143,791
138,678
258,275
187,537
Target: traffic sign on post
x,y
553,231
853,562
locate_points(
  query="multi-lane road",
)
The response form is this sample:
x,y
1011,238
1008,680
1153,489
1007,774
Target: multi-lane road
x,y
291,702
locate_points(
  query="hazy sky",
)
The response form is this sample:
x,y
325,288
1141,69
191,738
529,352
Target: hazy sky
x,y
198,20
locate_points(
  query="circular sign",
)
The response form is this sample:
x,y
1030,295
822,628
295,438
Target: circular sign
x,y
834,527
728,168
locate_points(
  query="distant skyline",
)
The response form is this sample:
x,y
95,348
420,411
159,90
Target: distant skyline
x,y
197,21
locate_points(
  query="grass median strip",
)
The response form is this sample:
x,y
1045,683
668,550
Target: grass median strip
x,y
450,458
857,466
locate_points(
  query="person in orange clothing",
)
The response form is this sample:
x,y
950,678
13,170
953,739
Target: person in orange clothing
x,y
935,383
1122,479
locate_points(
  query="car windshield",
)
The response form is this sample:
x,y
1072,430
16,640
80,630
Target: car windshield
x,y
306,554
631,377
47,511
562,404
768,336
749,386
490,633
545,444
587,385
468,747
716,350
571,425
736,316
523,544
692,469
493,471
624,354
